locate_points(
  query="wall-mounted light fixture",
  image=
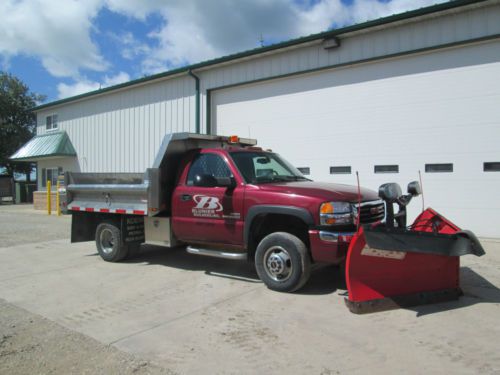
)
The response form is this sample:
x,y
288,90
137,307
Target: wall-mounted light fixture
x,y
331,43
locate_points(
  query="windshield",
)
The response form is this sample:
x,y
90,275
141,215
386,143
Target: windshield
x,y
262,167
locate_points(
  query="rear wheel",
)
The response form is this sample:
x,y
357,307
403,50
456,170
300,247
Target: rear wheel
x,y
282,262
108,242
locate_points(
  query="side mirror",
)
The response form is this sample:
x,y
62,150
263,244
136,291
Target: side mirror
x,y
414,188
205,180
228,182
390,192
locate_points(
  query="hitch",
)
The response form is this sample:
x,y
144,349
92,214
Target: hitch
x,y
390,265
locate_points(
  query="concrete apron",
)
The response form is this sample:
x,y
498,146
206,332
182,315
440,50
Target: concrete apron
x,y
198,315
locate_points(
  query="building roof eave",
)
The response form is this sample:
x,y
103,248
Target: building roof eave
x,y
50,145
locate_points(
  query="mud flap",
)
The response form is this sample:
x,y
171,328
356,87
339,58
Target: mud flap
x,y
389,268
132,230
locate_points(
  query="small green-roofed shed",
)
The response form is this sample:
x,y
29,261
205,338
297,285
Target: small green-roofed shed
x,y
51,145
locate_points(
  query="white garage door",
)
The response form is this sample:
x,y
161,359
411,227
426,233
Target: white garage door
x,y
388,120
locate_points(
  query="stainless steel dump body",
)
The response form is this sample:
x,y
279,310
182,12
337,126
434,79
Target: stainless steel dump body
x,y
145,193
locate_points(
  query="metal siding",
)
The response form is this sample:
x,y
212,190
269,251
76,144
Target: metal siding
x,y
46,145
122,131
67,164
450,28
436,107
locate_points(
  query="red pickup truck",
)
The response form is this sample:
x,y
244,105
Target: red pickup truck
x,y
222,197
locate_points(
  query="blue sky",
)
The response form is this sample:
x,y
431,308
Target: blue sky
x,y
64,48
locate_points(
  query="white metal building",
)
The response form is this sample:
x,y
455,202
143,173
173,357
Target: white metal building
x,y
418,91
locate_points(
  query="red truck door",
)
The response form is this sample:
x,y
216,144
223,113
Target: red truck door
x,y
209,214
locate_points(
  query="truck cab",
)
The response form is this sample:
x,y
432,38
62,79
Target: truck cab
x,y
224,197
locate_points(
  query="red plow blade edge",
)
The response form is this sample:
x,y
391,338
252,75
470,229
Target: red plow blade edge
x,y
390,267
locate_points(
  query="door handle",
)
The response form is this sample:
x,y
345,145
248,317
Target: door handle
x,y
185,197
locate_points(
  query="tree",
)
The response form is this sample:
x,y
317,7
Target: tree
x,y
17,121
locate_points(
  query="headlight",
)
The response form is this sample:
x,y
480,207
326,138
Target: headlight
x,y
331,213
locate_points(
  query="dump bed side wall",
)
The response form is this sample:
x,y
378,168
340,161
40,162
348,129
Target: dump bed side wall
x,y
147,193
121,193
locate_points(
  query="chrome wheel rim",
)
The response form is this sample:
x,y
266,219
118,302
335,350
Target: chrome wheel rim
x,y
106,241
278,263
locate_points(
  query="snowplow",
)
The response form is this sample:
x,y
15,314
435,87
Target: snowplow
x,y
225,197
391,265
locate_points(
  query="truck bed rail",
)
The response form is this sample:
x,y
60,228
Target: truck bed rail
x,y
123,193
145,193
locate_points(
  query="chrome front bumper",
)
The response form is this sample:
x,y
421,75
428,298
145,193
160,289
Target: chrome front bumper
x,y
335,236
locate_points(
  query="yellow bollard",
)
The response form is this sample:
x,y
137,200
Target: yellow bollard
x,y
58,206
49,203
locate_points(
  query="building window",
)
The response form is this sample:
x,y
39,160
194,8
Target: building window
x,y
439,168
346,169
492,166
305,170
386,168
51,174
51,122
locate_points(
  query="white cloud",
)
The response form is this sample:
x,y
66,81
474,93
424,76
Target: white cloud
x,y
57,33
66,90
115,80
61,34
139,9
364,10
84,85
130,46
198,30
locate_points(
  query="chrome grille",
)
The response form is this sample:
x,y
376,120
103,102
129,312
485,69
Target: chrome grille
x,y
370,211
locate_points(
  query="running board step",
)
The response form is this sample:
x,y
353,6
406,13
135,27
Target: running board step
x,y
216,253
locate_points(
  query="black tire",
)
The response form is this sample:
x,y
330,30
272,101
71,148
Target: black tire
x,y
109,244
282,262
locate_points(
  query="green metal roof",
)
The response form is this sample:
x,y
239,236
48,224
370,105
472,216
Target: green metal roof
x,y
324,35
43,146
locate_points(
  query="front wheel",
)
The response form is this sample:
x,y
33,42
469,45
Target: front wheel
x,y
282,262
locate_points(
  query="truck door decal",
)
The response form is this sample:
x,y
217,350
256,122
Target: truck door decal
x,y
206,206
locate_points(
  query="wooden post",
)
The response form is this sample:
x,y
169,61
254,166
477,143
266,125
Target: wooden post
x,y
49,203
